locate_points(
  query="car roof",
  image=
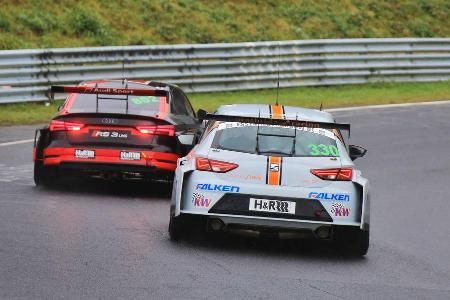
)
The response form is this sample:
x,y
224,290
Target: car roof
x,y
264,110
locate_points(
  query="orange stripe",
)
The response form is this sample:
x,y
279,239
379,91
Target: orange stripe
x,y
277,111
274,176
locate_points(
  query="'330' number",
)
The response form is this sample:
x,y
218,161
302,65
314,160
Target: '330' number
x,y
323,150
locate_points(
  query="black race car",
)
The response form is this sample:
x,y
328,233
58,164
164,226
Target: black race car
x,y
116,128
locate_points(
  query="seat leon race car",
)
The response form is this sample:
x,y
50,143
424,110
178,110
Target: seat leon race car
x,y
115,128
275,170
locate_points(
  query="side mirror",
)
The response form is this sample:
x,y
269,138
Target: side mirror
x,y
201,114
356,151
186,139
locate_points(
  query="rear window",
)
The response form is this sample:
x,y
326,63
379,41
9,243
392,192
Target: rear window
x,y
273,140
137,105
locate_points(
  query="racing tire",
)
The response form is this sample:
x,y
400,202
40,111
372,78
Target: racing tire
x,y
43,176
176,228
352,241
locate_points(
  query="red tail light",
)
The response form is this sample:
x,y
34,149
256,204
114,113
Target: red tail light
x,y
157,129
204,164
344,174
56,125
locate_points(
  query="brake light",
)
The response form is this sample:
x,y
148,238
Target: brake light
x,y
157,129
56,125
341,174
204,164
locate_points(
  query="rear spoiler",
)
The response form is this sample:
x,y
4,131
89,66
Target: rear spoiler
x,y
203,115
126,92
107,91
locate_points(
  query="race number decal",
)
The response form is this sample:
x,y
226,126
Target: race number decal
x,y
145,100
323,150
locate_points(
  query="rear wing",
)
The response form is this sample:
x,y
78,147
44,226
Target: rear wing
x,y
126,92
107,91
203,115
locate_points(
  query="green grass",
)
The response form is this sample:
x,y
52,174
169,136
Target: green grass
x,y
73,23
334,96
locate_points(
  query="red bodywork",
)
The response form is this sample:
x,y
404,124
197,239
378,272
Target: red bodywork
x,y
65,140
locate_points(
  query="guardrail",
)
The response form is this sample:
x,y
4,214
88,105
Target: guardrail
x,y
25,75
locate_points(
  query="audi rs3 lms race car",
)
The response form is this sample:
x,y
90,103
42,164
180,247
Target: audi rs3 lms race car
x,y
116,128
277,170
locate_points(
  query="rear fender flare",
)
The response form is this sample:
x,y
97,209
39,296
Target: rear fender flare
x,y
365,211
41,141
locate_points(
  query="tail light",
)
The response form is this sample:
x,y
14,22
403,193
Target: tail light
x,y
56,125
204,164
157,129
341,174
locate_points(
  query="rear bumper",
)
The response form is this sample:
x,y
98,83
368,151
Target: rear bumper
x,y
270,222
109,159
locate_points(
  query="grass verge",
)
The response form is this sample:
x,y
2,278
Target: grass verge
x,y
333,96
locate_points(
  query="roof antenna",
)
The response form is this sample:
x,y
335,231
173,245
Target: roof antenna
x,y
123,63
321,105
278,72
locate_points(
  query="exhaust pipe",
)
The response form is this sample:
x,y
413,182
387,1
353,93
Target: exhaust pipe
x,y
323,232
216,224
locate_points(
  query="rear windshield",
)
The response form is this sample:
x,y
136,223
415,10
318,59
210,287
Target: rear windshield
x,y
137,105
282,141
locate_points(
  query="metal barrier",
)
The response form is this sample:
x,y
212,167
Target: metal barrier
x,y
25,75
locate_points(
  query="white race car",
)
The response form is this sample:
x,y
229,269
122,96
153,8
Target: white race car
x,y
272,169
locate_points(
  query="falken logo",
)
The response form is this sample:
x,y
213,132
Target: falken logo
x,y
218,187
326,196
200,200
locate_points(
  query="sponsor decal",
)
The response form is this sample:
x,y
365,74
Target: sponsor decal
x,y
246,177
277,206
110,134
339,210
218,187
79,153
125,155
327,196
200,200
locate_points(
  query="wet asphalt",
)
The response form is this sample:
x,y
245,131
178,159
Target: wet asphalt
x,y
99,240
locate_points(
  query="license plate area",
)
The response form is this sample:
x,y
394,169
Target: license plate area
x,y
83,153
129,155
272,206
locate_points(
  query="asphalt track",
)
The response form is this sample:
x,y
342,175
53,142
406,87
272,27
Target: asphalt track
x,y
109,241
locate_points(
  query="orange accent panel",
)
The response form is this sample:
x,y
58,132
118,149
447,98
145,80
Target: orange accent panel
x,y
274,176
277,111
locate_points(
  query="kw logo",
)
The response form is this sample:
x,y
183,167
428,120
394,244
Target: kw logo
x,y
200,200
339,210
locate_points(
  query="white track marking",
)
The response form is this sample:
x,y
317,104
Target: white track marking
x,y
16,142
440,102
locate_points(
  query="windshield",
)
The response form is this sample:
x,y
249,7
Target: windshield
x,y
137,105
276,140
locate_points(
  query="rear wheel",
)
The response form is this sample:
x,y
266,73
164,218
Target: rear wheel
x,y
176,228
43,176
352,240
